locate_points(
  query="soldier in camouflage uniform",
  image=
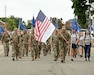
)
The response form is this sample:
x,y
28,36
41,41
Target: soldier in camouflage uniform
x,y
49,45
34,46
63,45
44,49
25,42
39,49
15,45
5,41
20,44
55,45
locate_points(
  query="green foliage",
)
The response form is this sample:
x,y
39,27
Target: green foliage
x,y
80,9
29,24
92,12
11,22
91,1
3,19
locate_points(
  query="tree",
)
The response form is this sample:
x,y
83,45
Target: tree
x,y
80,9
10,25
29,24
91,1
15,21
11,22
92,12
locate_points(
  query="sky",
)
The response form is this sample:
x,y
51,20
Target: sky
x,y
26,9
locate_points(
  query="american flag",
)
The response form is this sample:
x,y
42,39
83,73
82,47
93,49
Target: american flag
x,y
42,27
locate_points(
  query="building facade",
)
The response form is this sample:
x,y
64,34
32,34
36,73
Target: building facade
x,y
2,24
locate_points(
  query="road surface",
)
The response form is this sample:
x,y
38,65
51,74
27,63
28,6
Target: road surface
x,y
45,66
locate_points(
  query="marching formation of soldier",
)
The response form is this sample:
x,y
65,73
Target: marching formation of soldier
x,y
23,42
5,41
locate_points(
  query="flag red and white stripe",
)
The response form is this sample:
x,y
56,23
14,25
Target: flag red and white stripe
x,y
43,28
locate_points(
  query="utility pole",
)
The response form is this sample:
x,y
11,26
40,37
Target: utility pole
x,y
5,10
5,16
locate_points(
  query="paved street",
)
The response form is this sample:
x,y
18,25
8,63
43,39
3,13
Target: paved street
x,y
45,66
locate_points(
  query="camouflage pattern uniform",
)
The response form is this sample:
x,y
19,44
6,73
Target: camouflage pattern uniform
x,y
63,46
48,46
44,49
39,49
21,45
55,45
25,42
5,41
15,45
34,46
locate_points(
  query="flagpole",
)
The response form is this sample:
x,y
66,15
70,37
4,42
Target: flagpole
x,y
62,36
5,10
5,7
19,25
51,36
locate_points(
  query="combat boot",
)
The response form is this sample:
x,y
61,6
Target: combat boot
x,y
27,54
32,58
39,56
20,57
45,54
17,58
55,58
35,57
13,59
